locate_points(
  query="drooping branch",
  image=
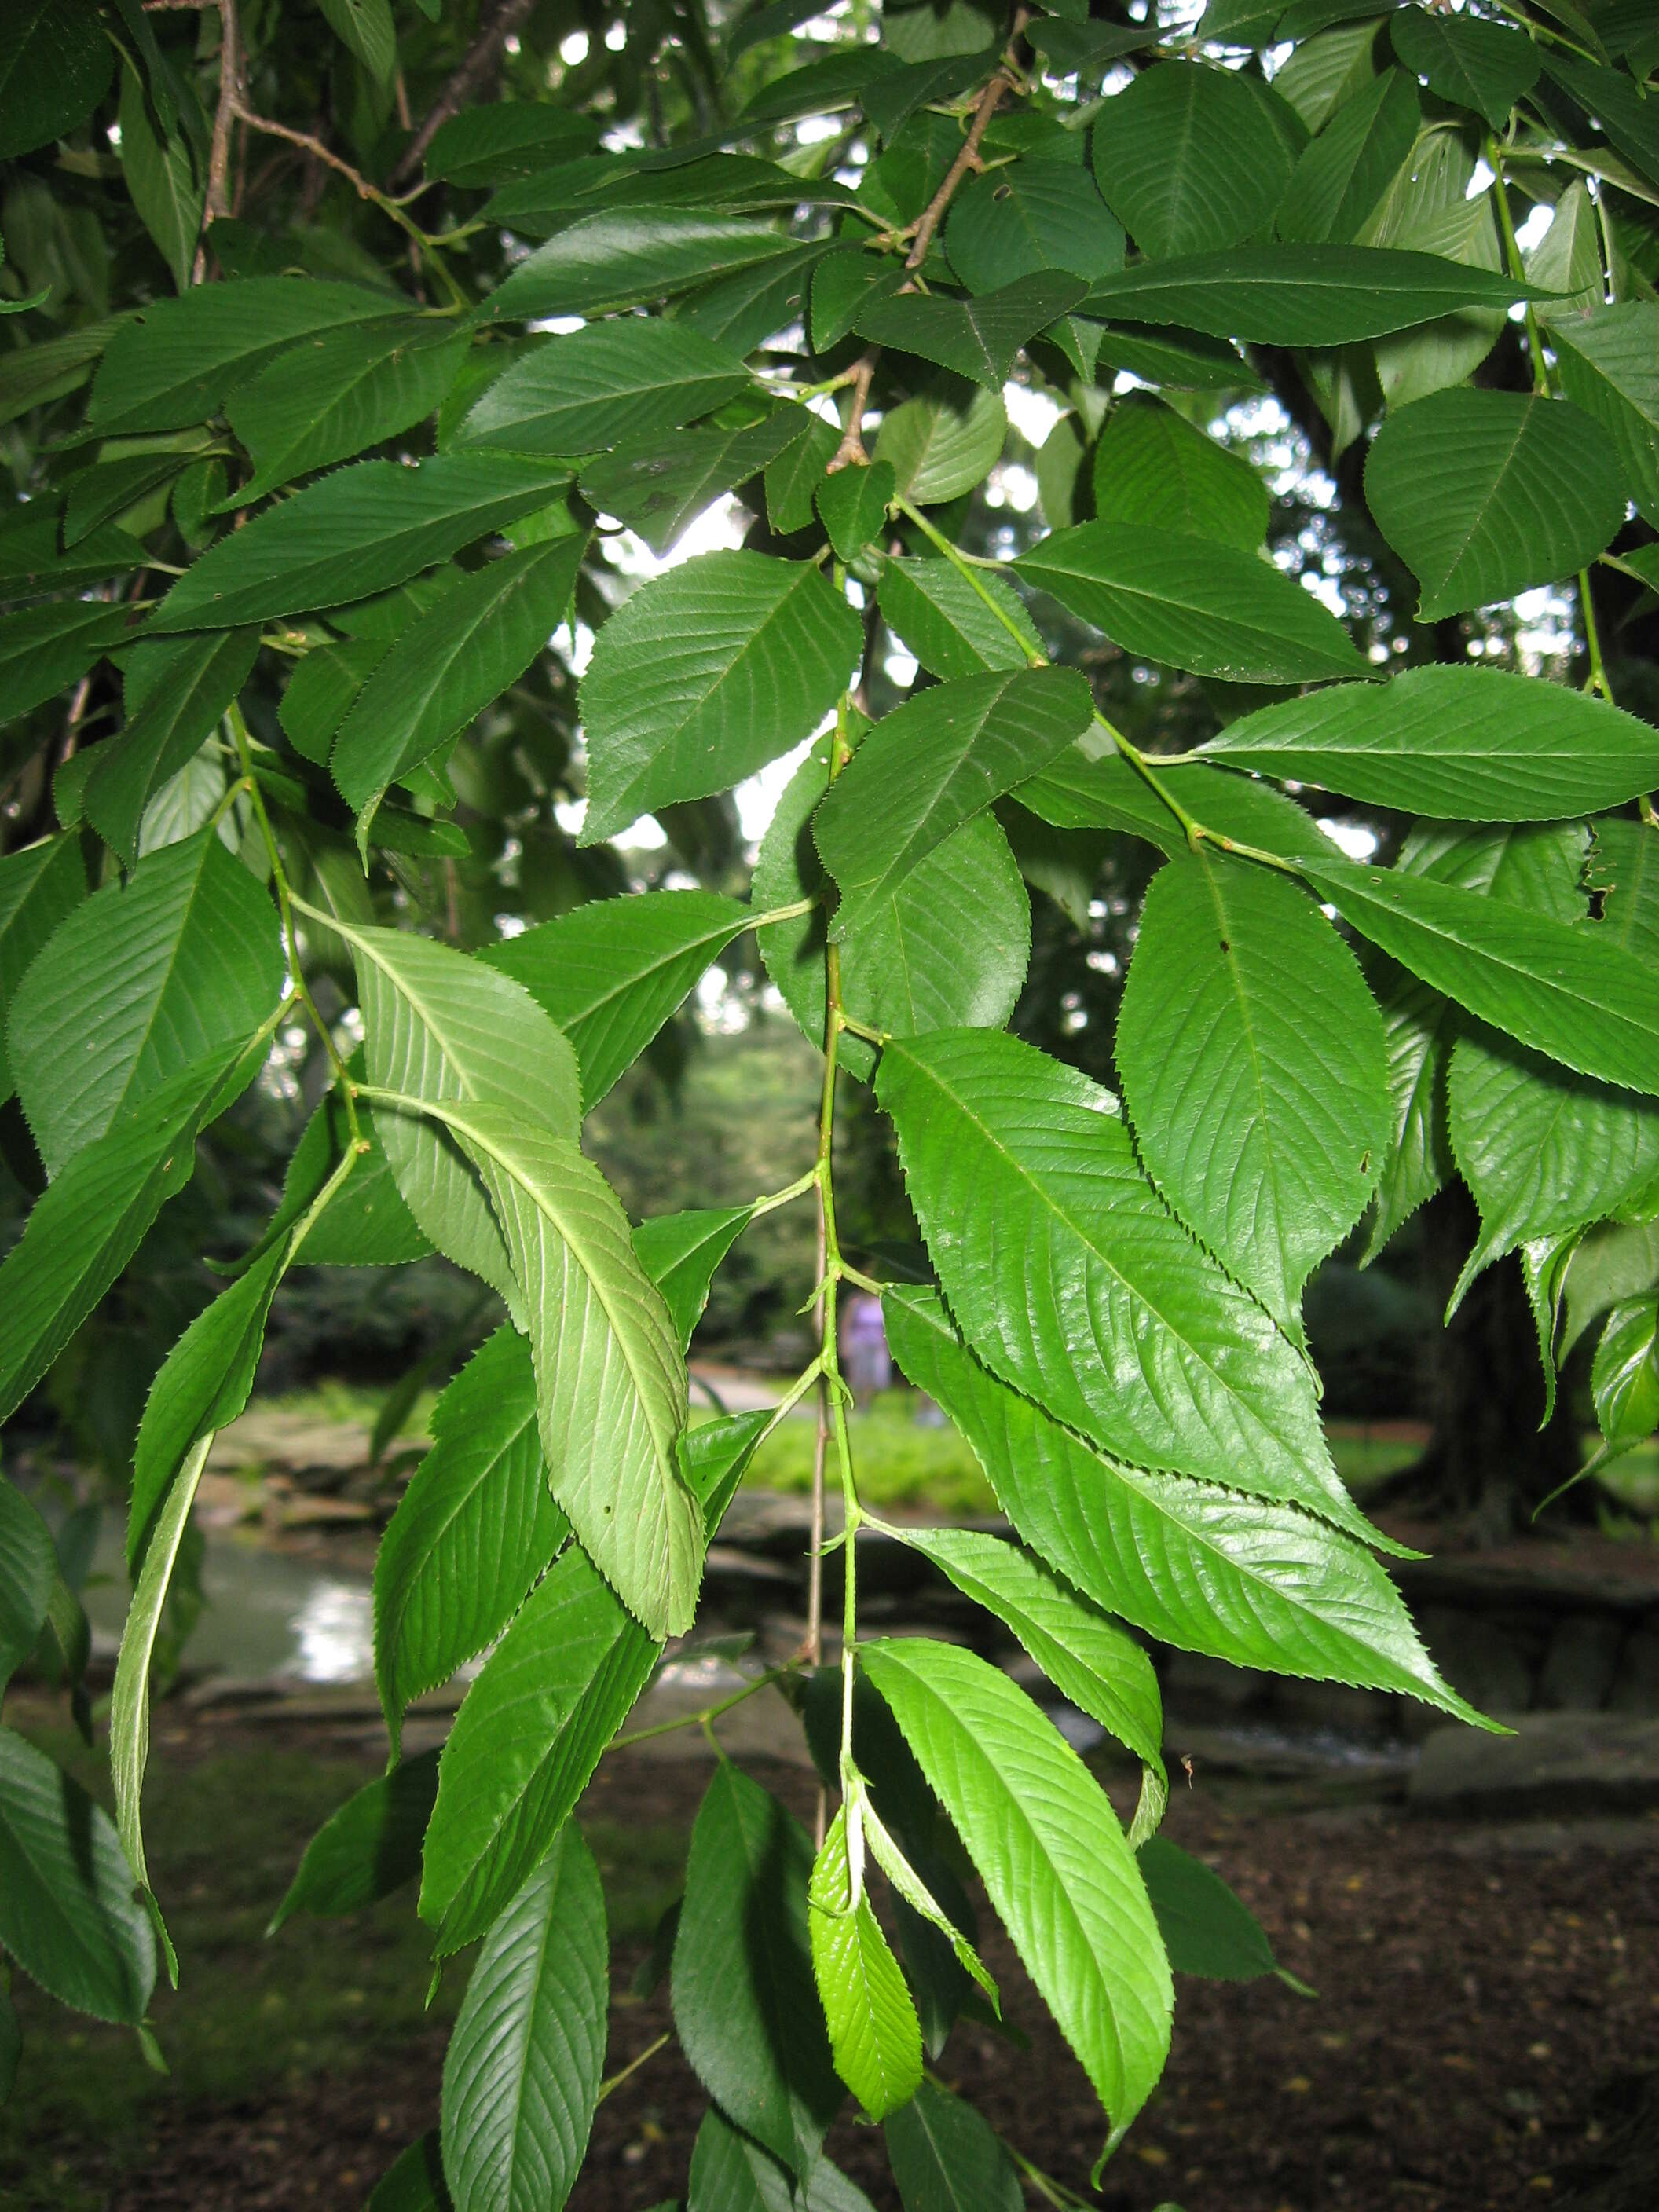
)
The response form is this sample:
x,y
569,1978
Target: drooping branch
x,y
499,19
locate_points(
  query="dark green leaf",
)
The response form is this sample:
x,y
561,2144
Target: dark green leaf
x,y
1012,223
336,393
369,1848
938,449
853,505
890,99
177,688
1608,369
365,28
1188,160
513,138
54,69
1475,65
945,2158
40,886
162,178
1206,1929
415,2181
953,627
29,1568
43,650
601,384
1344,172
622,257
1152,468
977,338
659,484
680,1253
730,2172
1301,296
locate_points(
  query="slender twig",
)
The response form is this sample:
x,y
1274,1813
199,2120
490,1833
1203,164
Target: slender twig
x,y
467,79
706,1714
615,2080
215,203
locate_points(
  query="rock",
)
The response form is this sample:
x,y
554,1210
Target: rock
x,y
1209,1687
1580,1664
1483,1663
1554,1763
1636,1687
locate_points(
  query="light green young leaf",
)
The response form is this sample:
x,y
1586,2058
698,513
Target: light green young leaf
x,y
620,258
29,1568
529,1734
977,338
932,764
1300,295
934,609
1011,222
704,675
1215,610
1253,1066
947,2159
1257,1583
1152,468
938,449
1047,1844
475,1528
521,2075
1485,493
173,363
592,389
361,530
1188,160
176,690
1207,1930
495,622
949,950
438,1025
366,1850
610,1374
161,179
1071,1279
745,2008
334,395
1624,1377
1089,1659
40,886
1470,744
611,972
88,1222
138,982
680,1253
1342,173
874,2030
67,1915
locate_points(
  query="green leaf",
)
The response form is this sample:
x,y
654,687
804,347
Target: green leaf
x,y
1079,793
29,1568
365,28
948,949
1475,64
745,2004
1046,1843
438,1025
1012,223
1485,494
361,530
1624,866
704,675
611,972
622,257
939,450
1087,1293
173,363
730,2172
1178,360
366,1225
873,2030
475,1528
932,764
610,1378
1302,294
598,386
88,1223
1342,173
1612,1262
139,982
947,2159
843,282
658,484
892,98
1541,1150
1625,1378
11,2046
976,337
529,1734
513,138
1089,1659
1252,1060
1205,1929
177,688
369,1849
521,2075
97,494
853,504
1469,745
495,622
30,560
930,607
680,1253
414,2182
1191,603
1151,467
822,87
1615,104
793,479
1202,1568
53,72
161,179
42,649
1607,365
1558,987
333,395
1187,160
40,886
743,310
1567,260
67,1912
1419,1027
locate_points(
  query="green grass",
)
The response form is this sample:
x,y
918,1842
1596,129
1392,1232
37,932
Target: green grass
x,y
224,1837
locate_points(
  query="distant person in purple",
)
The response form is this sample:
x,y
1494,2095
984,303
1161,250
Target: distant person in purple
x,y
865,1360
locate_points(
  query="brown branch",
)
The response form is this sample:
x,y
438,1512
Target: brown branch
x,y
475,69
217,203
850,452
